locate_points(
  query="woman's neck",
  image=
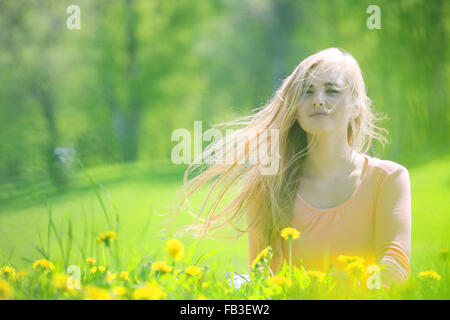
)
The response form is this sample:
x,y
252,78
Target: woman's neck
x,y
329,158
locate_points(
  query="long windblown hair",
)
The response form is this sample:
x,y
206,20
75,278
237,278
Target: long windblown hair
x,y
268,199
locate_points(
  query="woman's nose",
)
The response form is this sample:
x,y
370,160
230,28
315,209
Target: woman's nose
x,y
317,104
318,100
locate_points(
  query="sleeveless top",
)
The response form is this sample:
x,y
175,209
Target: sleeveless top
x,y
374,223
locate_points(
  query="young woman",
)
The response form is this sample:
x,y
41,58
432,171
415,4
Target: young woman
x,y
343,201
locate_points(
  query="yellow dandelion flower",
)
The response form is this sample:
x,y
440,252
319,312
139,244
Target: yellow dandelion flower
x,y
6,290
175,248
91,261
306,274
150,291
279,280
59,281
110,276
96,293
8,273
43,265
161,266
119,291
318,275
193,270
21,274
107,238
202,297
429,274
97,269
205,284
261,255
125,275
350,259
176,272
290,233
355,269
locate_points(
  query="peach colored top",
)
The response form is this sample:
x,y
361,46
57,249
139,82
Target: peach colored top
x,y
374,223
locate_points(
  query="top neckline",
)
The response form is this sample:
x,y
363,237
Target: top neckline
x,y
345,203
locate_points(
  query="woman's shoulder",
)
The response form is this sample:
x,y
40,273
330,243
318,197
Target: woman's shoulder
x,y
386,168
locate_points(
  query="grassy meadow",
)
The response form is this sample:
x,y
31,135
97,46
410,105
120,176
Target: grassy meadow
x,y
63,228
110,83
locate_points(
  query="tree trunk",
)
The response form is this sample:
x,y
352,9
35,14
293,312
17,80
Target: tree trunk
x,y
46,103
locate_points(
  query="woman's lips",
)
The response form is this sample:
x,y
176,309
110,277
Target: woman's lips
x,y
319,115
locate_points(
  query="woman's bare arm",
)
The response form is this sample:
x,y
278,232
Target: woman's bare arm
x,y
393,227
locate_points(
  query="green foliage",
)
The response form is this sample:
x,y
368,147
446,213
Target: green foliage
x,y
141,246
141,280
115,89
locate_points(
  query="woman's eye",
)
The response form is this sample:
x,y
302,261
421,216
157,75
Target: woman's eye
x,y
333,91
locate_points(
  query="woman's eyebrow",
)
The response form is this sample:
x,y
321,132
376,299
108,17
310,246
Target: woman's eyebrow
x,y
327,84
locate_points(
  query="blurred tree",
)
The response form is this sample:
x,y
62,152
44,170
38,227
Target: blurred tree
x,y
30,51
136,70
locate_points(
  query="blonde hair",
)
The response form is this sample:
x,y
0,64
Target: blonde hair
x,y
269,199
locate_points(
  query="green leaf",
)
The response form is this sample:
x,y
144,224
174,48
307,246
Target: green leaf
x,y
190,252
42,252
207,255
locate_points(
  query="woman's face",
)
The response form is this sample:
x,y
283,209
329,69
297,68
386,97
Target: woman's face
x,y
328,91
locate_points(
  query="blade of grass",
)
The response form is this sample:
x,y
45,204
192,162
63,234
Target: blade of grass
x,y
27,260
10,255
69,240
42,252
40,241
48,232
86,233
147,224
190,252
207,255
95,187
116,244
53,228
82,249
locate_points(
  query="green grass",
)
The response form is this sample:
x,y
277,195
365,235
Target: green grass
x,y
141,196
141,193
